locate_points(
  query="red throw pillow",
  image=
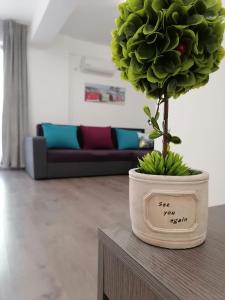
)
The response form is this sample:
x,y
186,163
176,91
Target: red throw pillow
x,y
96,137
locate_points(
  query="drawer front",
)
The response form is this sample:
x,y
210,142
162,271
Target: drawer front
x,y
120,283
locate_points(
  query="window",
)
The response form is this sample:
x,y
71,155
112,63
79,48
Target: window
x,y
1,98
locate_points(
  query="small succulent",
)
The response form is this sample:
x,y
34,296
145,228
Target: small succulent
x,y
172,165
168,46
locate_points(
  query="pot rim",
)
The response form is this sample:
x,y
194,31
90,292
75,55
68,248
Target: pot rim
x,y
204,176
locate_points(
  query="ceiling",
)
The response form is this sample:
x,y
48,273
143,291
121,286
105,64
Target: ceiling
x,y
19,10
92,20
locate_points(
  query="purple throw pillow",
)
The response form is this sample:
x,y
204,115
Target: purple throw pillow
x,y
96,137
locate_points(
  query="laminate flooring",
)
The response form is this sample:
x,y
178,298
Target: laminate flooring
x,y
48,234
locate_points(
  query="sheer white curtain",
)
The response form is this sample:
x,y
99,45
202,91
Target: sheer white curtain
x,y
1,98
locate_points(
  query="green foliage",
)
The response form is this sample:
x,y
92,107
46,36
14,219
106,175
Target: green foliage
x,y
147,111
174,139
157,132
155,164
168,46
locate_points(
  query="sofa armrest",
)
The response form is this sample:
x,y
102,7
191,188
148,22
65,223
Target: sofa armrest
x,y
36,157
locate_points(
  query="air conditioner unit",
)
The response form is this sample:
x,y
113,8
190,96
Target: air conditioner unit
x,y
97,66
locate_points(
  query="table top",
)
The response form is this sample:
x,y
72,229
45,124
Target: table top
x,y
197,273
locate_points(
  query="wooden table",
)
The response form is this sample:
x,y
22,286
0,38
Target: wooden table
x,y
132,270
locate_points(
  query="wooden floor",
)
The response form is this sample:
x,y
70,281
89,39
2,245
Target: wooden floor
x,y
48,234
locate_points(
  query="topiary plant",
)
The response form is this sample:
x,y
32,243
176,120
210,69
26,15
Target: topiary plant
x,y
165,48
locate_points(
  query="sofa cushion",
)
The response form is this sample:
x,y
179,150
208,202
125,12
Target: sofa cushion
x,y
66,155
61,136
96,137
127,139
144,141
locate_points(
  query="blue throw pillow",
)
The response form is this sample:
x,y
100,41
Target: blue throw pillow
x,y
127,139
61,136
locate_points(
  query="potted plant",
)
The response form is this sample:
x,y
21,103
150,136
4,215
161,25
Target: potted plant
x,y
165,48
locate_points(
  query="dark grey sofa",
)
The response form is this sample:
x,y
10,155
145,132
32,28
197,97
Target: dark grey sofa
x,y
43,163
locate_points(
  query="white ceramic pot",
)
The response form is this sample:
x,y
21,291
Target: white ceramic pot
x,y
169,211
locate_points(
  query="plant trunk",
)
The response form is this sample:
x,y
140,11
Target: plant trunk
x,y
165,127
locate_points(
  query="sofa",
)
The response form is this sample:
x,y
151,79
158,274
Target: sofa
x,y
44,163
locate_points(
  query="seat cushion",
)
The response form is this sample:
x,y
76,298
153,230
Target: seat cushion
x,y
67,155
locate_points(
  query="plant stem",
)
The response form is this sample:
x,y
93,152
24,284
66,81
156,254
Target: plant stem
x,y
160,101
165,127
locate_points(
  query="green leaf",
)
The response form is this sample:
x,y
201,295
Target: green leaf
x,y
135,19
210,3
166,64
155,134
133,45
136,70
154,123
151,28
173,38
149,11
186,80
220,54
128,29
180,27
158,5
151,76
148,29
187,63
146,51
162,42
150,39
200,7
125,62
124,76
171,87
136,4
157,116
195,20
175,140
175,16
123,9
147,111
189,34
119,22
139,33
194,172
176,13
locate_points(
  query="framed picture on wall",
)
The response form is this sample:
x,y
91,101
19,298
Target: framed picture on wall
x,y
104,93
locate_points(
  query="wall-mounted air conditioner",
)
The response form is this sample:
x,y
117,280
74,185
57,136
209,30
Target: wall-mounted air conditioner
x,y
97,66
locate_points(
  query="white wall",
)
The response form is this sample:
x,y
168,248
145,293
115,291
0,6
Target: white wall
x,y
129,114
57,90
199,119
57,95
48,86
